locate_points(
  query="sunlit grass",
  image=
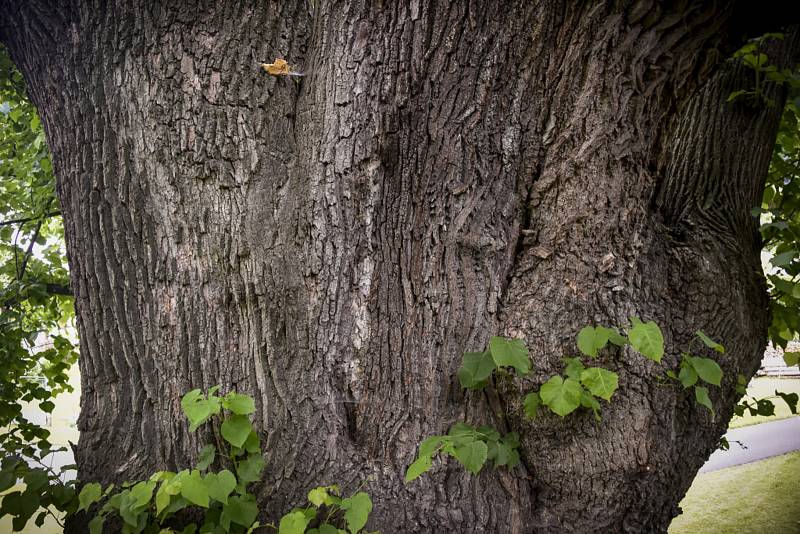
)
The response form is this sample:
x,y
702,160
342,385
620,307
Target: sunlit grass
x,y
755,498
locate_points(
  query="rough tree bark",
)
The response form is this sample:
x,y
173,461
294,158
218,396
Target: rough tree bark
x,y
444,172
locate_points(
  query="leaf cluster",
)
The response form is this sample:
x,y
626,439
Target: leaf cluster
x,y
582,386
327,509
472,447
752,56
477,367
45,492
159,505
154,505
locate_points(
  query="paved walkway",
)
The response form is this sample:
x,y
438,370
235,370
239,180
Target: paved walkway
x,y
756,443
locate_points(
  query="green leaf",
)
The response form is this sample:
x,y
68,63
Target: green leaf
x,y
206,457
141,493
127,510
220,485
199,409
239,404
194,490
241,510
176,505
687,376
590,340
173,485
472,455
235,429
162,498
253,443
357,509
531,404
62,495
322,495
475,369
614,337
430,445
418,467
493,451
158,476
765,407
796,291
600,382
294,523
784,259
736,94
7,479
502,453
741,384
461,433
90,494
21,505
701,394
561,396
487,433
710,343
574,368
588,401
250,469
647,339
791,358
35,479
707,369
510,353
96,524
790,399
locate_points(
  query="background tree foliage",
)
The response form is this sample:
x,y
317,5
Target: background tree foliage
x,y
35,304
780,213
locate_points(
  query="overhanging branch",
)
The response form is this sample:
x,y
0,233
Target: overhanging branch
x,y
28,219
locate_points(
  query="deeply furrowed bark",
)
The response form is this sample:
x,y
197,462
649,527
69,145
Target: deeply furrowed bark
x,y
444,172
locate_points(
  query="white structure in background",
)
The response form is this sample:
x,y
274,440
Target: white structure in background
x,y
62,423
773,364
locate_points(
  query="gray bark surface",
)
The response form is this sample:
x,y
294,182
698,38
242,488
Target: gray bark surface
x,y
331,245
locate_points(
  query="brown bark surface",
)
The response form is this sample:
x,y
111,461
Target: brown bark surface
x,y
331,245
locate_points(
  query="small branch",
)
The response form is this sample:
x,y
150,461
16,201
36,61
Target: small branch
x,y
28,219
39,222
52,289
59,289
27,256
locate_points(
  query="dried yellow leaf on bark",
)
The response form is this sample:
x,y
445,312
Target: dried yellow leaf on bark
x,y
279,68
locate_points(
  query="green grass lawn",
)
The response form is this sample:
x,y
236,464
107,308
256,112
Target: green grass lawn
x,y
756,498
765,387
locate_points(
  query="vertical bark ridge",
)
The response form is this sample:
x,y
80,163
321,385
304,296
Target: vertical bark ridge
x,y
414,170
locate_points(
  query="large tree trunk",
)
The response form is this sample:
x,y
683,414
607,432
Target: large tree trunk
x,y
444,172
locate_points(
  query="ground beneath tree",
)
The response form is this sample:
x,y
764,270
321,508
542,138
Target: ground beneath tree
x,y
756,442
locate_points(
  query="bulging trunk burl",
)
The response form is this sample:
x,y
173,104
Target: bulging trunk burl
x,y
332,244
